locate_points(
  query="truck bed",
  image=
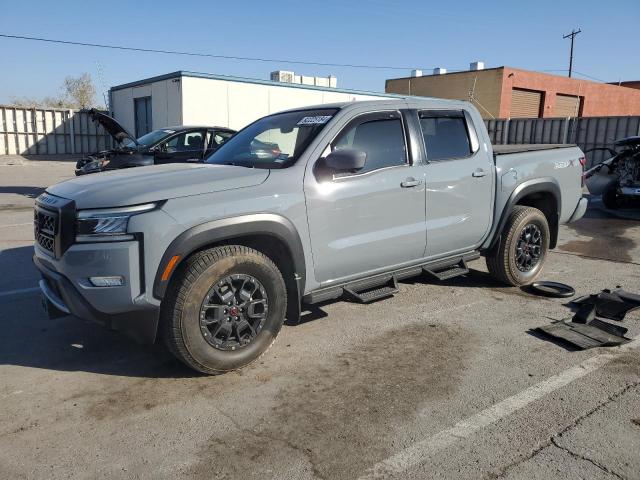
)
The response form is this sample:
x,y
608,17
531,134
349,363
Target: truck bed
x,y
527,147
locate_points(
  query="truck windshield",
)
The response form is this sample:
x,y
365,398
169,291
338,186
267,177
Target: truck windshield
x,y
275,141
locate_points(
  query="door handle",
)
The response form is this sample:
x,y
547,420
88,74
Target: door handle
x,y
410,182
479,173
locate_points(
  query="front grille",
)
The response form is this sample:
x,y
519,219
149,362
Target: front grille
x,y
45,226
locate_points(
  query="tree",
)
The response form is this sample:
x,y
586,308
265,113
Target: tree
x,y
79,91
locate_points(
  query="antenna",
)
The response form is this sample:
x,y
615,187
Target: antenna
x,y
572,36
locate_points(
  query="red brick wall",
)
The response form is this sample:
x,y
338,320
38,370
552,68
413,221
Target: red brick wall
x,y
599,99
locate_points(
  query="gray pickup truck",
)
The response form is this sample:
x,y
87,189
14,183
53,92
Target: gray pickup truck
x,y
299,207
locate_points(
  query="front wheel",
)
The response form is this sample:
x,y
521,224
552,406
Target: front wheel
x,y
224,309
521,254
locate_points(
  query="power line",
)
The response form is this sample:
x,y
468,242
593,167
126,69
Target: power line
x,y
209,55
575,71
249,59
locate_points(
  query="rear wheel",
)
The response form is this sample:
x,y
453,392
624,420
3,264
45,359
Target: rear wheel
x,y
225,309
521,254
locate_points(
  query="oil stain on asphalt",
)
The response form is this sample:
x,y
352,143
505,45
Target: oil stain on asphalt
x,y
607,239
337,413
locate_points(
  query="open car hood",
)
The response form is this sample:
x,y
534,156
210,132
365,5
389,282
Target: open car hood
x,y
113,128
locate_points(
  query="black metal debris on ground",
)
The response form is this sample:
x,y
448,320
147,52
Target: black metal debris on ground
x,y
587,335
586,312
611,304
584,330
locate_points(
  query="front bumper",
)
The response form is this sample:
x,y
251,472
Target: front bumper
x,y
138,320
633,191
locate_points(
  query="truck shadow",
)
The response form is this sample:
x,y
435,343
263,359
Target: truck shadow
x,y
29,192
69,344
30,339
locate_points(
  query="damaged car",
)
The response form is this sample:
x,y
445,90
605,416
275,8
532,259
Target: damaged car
x,y
618,177
166,145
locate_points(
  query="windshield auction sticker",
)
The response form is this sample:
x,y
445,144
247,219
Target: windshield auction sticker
x,y
319,120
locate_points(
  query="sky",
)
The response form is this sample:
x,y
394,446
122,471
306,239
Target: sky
x,y
405,34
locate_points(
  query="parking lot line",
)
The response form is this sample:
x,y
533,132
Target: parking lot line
x,y
419,452
8,293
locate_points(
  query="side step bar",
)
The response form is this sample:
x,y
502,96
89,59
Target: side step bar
x,y
368,294
448,272
384,285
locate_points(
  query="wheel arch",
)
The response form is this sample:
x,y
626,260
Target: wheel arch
x,y
271,234
541,193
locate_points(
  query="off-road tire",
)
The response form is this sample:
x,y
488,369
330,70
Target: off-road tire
x,y
502,262
180,315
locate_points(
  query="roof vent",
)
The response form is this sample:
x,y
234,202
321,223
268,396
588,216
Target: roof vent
x,y
476,66
439,71
283,76
286,76
416,73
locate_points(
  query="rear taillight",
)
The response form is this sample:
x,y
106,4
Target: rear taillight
x,y
583,162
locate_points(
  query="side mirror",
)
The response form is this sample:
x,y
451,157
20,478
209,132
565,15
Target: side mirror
x,y
346,160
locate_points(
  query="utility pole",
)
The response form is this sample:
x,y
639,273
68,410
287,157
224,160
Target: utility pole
x,y
571,35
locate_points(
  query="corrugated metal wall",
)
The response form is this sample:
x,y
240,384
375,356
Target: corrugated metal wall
x,y
586,132
36,131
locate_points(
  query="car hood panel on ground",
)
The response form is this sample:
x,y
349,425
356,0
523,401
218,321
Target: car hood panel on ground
x,y
153,183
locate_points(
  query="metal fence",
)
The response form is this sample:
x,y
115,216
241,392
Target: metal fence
x,y
586,132
50,131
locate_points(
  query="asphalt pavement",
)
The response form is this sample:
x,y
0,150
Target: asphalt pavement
x,y
444,380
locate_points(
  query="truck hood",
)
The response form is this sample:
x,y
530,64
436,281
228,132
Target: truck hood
x,y
138,185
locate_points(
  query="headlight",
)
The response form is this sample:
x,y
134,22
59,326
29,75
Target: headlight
x,y
107,224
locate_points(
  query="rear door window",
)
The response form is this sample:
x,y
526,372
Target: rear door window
x,y
446,135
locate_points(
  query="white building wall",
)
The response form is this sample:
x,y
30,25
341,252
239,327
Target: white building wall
x,y
216,102
122,108
166,104
233,104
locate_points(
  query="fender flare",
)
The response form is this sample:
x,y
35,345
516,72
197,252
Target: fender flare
x,y
200,236
536,185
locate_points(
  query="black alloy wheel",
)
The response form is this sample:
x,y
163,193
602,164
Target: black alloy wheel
x,y
528,248
233,312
